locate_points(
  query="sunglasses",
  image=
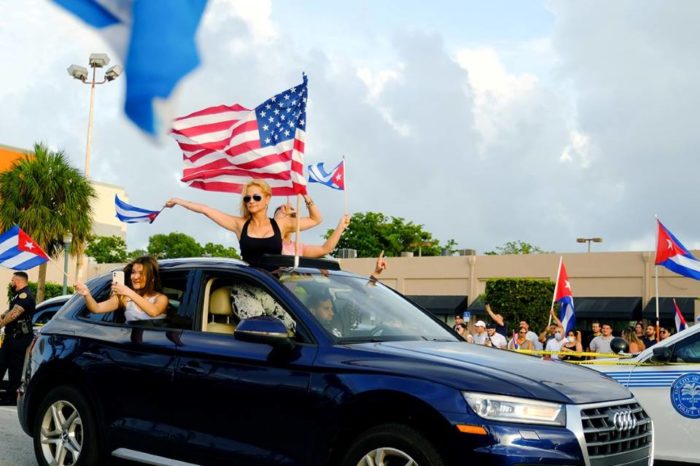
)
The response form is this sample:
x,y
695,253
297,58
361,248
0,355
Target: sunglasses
x,y
254,197
663,331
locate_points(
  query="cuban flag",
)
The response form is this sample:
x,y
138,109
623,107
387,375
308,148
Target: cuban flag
x,y
131,214
156,42
333,179
18,251
680,321
565,297
674,256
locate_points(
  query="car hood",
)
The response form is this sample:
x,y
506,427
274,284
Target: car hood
x,y
477,368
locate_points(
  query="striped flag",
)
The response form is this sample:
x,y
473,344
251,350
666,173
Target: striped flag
x,y
565,297
18,251
680,320
674,256
131,214
334,179
225,146
156,43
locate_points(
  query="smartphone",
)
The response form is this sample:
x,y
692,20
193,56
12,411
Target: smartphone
x,y
118,277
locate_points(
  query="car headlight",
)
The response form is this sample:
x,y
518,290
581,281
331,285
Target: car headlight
x,y
511,409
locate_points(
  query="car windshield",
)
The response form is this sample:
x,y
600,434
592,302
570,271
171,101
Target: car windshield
x,y
355,309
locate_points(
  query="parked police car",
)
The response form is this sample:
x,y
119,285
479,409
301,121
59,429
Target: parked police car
x,y
309,367
666,380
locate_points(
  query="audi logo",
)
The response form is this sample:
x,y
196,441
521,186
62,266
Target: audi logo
x,y
623,420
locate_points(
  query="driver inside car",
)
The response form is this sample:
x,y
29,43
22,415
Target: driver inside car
x,y
321,306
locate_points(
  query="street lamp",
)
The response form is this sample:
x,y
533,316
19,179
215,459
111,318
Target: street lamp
x,y
67,240
96,60
589,240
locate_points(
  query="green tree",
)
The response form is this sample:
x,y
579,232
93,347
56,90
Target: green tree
x,y
515,247
136,253
173,245
219,250
519,299
107,249
372,232
47,198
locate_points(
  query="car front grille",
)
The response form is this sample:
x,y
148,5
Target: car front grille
x,y
619,434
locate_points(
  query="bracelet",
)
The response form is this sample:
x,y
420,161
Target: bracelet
x,y
309,203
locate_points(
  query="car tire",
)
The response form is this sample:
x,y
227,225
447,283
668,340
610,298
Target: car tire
x,y
65,431
392,444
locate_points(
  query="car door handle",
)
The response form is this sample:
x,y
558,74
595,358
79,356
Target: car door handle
x,y
93,356
193,368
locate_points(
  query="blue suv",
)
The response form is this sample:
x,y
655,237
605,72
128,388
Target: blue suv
x,y
307,366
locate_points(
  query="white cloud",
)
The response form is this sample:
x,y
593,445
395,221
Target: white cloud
x,y
578,149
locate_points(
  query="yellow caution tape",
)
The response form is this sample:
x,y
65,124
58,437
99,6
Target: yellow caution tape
x,y
620,358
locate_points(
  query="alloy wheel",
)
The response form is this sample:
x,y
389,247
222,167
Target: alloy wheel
x,y
61,434
387,457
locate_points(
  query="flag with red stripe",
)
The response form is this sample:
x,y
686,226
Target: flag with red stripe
x,y
224,147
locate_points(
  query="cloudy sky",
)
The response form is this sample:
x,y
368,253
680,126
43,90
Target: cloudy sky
x,y
486,122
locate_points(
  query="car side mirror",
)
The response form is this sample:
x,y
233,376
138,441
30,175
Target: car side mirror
x,y
662,354
264,329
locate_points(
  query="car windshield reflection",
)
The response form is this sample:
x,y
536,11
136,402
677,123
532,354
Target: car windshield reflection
x,y
354,309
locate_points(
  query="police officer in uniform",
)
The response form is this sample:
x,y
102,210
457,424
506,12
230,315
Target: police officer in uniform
x,y
18,333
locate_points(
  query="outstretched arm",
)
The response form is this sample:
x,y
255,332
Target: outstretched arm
x,y
495,317
288,224
230,222
331,242
109,305
555,318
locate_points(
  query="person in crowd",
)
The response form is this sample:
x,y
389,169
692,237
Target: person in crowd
x,y
501,326
459,319
309,250
639,329
601,343
649,339
548,333
17,321
634,343
554,344
595,332
461,328
257,234
572,343
664,333
495,340
140,297
532,336
521,341
321,306
480,336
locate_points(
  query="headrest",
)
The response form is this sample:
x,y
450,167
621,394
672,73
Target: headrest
x,y
220,302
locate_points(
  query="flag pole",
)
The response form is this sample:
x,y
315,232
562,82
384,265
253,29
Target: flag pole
x,y
556,286
296,234
345,185
656,281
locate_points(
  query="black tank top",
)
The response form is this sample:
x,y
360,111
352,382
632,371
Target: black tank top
x,y
252,249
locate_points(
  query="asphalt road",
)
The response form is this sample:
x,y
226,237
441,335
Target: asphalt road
x,y
16,446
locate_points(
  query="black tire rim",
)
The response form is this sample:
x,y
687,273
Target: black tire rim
x,y
61,434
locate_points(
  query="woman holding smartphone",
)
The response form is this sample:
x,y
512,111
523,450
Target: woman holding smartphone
x,y
136,291
257,233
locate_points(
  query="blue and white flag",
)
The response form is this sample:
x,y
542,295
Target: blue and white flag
x,y
155,41
671,253
334,179
18,251
565,297
132,214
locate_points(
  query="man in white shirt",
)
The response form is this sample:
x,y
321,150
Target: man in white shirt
x,y
480,335
495,339
554,344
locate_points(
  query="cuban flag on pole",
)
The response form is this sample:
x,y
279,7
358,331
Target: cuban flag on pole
x,y
680,321
131,214
565,297
674,256
18,251
333,179
155,40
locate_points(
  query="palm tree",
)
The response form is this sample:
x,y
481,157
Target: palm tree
x,y
47,198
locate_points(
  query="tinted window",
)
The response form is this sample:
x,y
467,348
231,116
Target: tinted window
x,y
688,349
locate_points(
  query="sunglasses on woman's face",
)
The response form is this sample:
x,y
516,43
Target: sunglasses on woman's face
x,y
254,197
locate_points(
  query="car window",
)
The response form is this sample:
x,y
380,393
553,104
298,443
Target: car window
x,y
173,285
687,350
228,300
45,314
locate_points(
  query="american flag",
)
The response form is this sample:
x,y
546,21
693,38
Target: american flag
x,y
225,146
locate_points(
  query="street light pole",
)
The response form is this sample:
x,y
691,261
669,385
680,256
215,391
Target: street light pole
x,y
589,241
96,60
67,240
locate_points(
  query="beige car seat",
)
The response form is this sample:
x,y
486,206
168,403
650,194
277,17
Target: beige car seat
x,y
221,311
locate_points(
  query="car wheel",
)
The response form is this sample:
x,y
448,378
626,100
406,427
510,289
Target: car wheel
x,y
65,432
392,445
